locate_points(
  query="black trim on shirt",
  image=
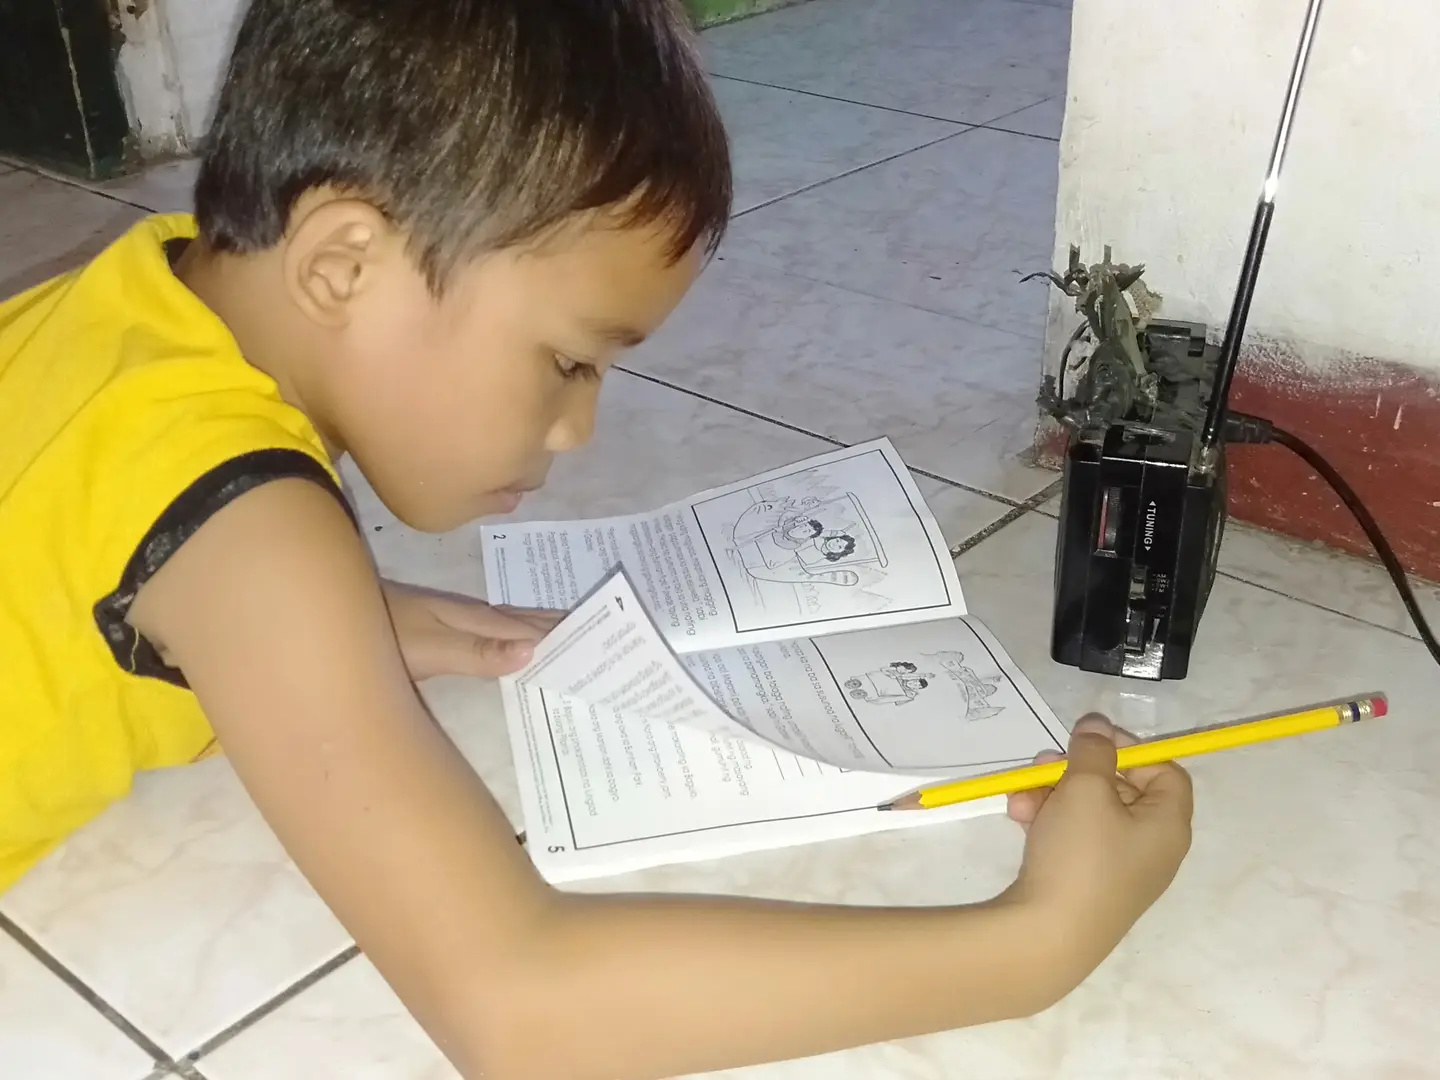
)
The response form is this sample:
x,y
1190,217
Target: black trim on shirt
x,y
193,507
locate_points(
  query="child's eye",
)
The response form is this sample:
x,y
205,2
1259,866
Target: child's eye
x,y
575,370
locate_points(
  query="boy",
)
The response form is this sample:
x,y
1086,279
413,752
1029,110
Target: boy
x,y
425,231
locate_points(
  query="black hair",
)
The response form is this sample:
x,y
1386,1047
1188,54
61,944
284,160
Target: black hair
x,y
472,124
847,545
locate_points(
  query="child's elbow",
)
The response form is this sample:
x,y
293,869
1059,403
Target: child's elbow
x,y
526,1020
515,1042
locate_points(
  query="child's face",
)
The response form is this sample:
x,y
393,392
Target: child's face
x,y
454,407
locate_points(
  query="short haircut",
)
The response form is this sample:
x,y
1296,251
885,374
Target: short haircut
x,y
473,125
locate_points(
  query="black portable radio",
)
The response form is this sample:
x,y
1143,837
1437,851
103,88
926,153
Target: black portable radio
x,y
1143,509
1140,530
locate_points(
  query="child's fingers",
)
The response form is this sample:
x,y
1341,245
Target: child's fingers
x,y
490,658
446,650
542,619
1165,773
1164,790
1022,806
1130,784
477,617
1128,792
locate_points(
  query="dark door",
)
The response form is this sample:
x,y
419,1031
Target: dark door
x,y
60,103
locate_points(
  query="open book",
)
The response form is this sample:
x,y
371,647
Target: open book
x,y
755,667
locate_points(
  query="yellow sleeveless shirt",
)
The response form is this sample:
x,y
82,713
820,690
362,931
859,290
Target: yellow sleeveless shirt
x,y
127,418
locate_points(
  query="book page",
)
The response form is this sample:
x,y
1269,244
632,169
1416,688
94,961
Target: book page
x,y
609,654
629,755
843,541
932,698
605,794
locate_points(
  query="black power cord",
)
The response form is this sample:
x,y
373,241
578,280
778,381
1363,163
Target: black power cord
x,y
1254,430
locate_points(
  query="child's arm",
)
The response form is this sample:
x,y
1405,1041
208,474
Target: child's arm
x,y
274,613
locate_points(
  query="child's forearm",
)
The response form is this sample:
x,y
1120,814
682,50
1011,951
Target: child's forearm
x,y
403,841
622,988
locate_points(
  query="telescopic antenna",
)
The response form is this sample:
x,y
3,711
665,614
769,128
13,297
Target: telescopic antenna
x,y
1214,429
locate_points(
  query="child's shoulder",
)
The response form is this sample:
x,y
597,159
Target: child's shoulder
x,y
130,412
117,367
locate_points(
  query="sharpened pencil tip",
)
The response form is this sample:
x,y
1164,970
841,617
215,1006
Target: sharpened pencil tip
x,y
904,802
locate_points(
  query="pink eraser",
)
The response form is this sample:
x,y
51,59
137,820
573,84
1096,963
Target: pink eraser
x,y
1379,706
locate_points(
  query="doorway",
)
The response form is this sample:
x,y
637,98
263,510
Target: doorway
x,y
60,102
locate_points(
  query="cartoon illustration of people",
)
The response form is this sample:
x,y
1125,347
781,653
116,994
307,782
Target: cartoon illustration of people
x,y
894,684
806,541
834,545
783,519
901,682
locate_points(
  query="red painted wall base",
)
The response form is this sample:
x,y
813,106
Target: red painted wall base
x,y
1377,422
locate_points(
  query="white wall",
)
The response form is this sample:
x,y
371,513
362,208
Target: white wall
x,y
1171,114
170,67
148,82
202,31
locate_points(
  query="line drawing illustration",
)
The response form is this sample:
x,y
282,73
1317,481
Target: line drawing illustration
x,y
839,540
894,684
806,541
807,545
902,681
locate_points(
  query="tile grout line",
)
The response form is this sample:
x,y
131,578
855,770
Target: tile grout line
x,y
250,1019
165,1065
1016,112
975,539
181,1069
963,127
78,185
963,130
1273,591
1004,500
733,408
1022,134
987,124
1009,518
90,996
741,260
845,101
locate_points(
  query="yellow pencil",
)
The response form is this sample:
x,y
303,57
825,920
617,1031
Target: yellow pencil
x,y
1155,752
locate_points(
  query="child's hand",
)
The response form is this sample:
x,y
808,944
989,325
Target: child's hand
x,y
1101,848
442,634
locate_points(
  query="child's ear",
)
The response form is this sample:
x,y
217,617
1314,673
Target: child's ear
x,y
332,255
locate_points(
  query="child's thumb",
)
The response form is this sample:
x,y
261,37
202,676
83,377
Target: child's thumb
x,y
1092,747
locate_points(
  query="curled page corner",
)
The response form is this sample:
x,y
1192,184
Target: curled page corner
x,y
610,654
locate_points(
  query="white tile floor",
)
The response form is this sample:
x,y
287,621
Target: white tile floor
x,y
869,287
